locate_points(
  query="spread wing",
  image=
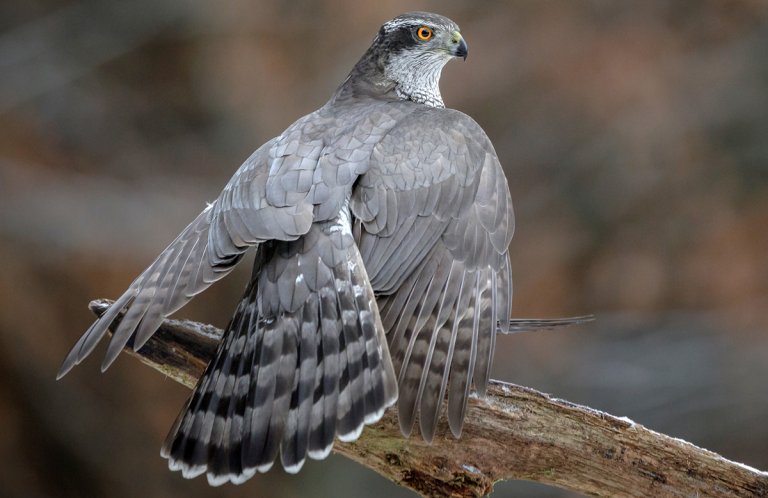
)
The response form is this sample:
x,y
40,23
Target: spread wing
x,y
434,220
278,192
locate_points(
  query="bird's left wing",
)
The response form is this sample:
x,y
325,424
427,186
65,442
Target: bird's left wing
x,y
434,222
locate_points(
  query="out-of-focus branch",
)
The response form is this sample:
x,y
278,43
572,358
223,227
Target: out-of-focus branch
x,y
514,433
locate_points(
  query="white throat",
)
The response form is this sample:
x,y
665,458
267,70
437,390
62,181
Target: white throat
x,y
417,77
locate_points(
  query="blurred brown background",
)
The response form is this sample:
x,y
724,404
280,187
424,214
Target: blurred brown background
x,y
635,140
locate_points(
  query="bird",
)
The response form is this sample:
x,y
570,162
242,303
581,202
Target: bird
x,y
380,225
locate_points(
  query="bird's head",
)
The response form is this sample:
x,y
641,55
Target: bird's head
x,y
408,54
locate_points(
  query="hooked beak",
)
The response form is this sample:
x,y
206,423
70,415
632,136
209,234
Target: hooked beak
x,y
458,45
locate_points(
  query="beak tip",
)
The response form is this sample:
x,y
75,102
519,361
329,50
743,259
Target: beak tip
x,y
462,50
457,46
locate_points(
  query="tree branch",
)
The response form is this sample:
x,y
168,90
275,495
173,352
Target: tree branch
x,y
515,433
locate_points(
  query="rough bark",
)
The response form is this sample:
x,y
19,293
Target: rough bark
x,y
514,433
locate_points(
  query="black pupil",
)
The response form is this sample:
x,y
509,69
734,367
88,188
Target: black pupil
x,y
424,33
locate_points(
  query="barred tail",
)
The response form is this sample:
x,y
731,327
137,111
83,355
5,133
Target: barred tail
x,y
303,361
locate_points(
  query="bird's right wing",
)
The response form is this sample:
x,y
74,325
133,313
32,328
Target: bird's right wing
x,y
287,184
206,250
182,271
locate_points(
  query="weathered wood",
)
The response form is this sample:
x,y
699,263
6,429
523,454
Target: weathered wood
x,y
514,433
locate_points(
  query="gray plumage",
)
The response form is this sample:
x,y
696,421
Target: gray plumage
x,y
380,224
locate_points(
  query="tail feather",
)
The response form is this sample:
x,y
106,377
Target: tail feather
x,y
296,437
285,373
377,392
351,395
356,317
207,425
290,375
324,408
255,442
237,371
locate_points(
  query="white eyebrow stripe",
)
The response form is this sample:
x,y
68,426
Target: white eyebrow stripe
x,y
396,23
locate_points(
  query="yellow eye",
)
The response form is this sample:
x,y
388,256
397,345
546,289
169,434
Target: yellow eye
x,y
424,33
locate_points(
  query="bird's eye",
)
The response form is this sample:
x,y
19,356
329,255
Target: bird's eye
x,y
424,33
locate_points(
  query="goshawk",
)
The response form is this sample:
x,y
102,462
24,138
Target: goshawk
x,y
380,225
